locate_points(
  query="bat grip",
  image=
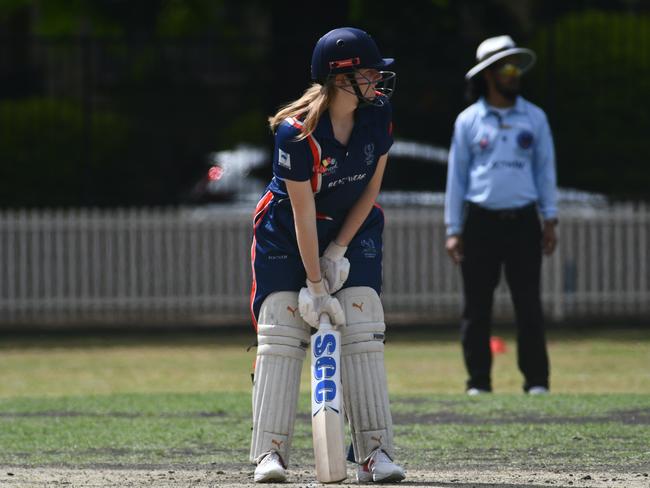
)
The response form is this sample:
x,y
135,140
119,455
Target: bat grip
x,y
324,320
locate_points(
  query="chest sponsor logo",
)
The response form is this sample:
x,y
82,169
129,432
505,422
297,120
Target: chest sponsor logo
x,y
504,164
284,159
347,179
525,139
369,248
369,153
328,166
483,143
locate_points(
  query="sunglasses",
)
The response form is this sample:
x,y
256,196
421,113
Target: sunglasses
x,y
509,69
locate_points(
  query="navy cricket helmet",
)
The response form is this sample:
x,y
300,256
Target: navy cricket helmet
x,y
346,50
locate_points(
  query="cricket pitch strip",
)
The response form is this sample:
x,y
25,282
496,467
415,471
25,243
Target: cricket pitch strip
x,y
138,477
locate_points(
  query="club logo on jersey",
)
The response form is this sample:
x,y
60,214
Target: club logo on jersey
x,y
284,159
525,139
484,143
369,153
328,166
369,249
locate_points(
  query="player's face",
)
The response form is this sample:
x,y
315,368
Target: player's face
x,y
367,80
505,77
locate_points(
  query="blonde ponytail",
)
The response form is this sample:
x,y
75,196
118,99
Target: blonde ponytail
x,y
310,106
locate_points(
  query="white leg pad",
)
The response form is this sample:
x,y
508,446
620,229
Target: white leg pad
x,y
282,338
365,392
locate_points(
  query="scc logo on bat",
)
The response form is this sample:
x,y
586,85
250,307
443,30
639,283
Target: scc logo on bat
x,y
325,368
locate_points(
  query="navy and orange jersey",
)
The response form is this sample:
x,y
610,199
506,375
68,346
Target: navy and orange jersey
x,y
338,173
338,176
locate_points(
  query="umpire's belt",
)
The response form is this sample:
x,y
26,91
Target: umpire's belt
x,y
515,213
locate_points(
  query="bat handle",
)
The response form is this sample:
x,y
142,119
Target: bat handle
x,y
325,321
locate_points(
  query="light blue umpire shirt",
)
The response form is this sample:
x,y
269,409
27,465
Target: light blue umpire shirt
x,y
500,159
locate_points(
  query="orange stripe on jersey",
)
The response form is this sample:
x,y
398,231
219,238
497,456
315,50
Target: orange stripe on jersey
x,y
254,283
314,147
295,123
316,176
260,210
262,204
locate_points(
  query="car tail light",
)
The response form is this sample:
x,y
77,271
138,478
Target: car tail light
x,y
215,173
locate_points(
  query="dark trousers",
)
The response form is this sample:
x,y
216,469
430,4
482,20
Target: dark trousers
x,y
512,239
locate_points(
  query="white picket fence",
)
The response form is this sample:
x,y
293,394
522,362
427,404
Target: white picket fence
x,y
192,266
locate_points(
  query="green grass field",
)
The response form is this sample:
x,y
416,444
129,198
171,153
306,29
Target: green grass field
x,y
184,400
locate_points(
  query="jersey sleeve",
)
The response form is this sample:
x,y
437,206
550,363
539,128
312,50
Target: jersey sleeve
x,y
457,177
545,176
385,127
292,159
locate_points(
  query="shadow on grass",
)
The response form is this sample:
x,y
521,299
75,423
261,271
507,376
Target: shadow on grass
x,y
106,336
120,337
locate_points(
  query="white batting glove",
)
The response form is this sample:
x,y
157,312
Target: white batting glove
x,y
315,300
334,266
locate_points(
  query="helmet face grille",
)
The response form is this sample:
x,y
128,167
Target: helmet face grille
x,y
383,89
386,86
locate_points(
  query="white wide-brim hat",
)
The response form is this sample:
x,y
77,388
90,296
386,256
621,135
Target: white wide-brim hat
x,y
495,48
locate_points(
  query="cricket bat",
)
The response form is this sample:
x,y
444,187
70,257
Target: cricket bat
x,y
326,404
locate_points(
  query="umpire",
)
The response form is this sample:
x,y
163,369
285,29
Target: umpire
x,y
501,177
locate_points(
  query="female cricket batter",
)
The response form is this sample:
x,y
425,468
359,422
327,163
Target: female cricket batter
x,y
330,153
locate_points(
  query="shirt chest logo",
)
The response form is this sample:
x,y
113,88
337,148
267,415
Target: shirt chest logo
x,y
525,139
369,153
328,166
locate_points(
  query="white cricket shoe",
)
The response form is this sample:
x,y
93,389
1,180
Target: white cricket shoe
x,y
538,390
380,469
270,469
476,391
